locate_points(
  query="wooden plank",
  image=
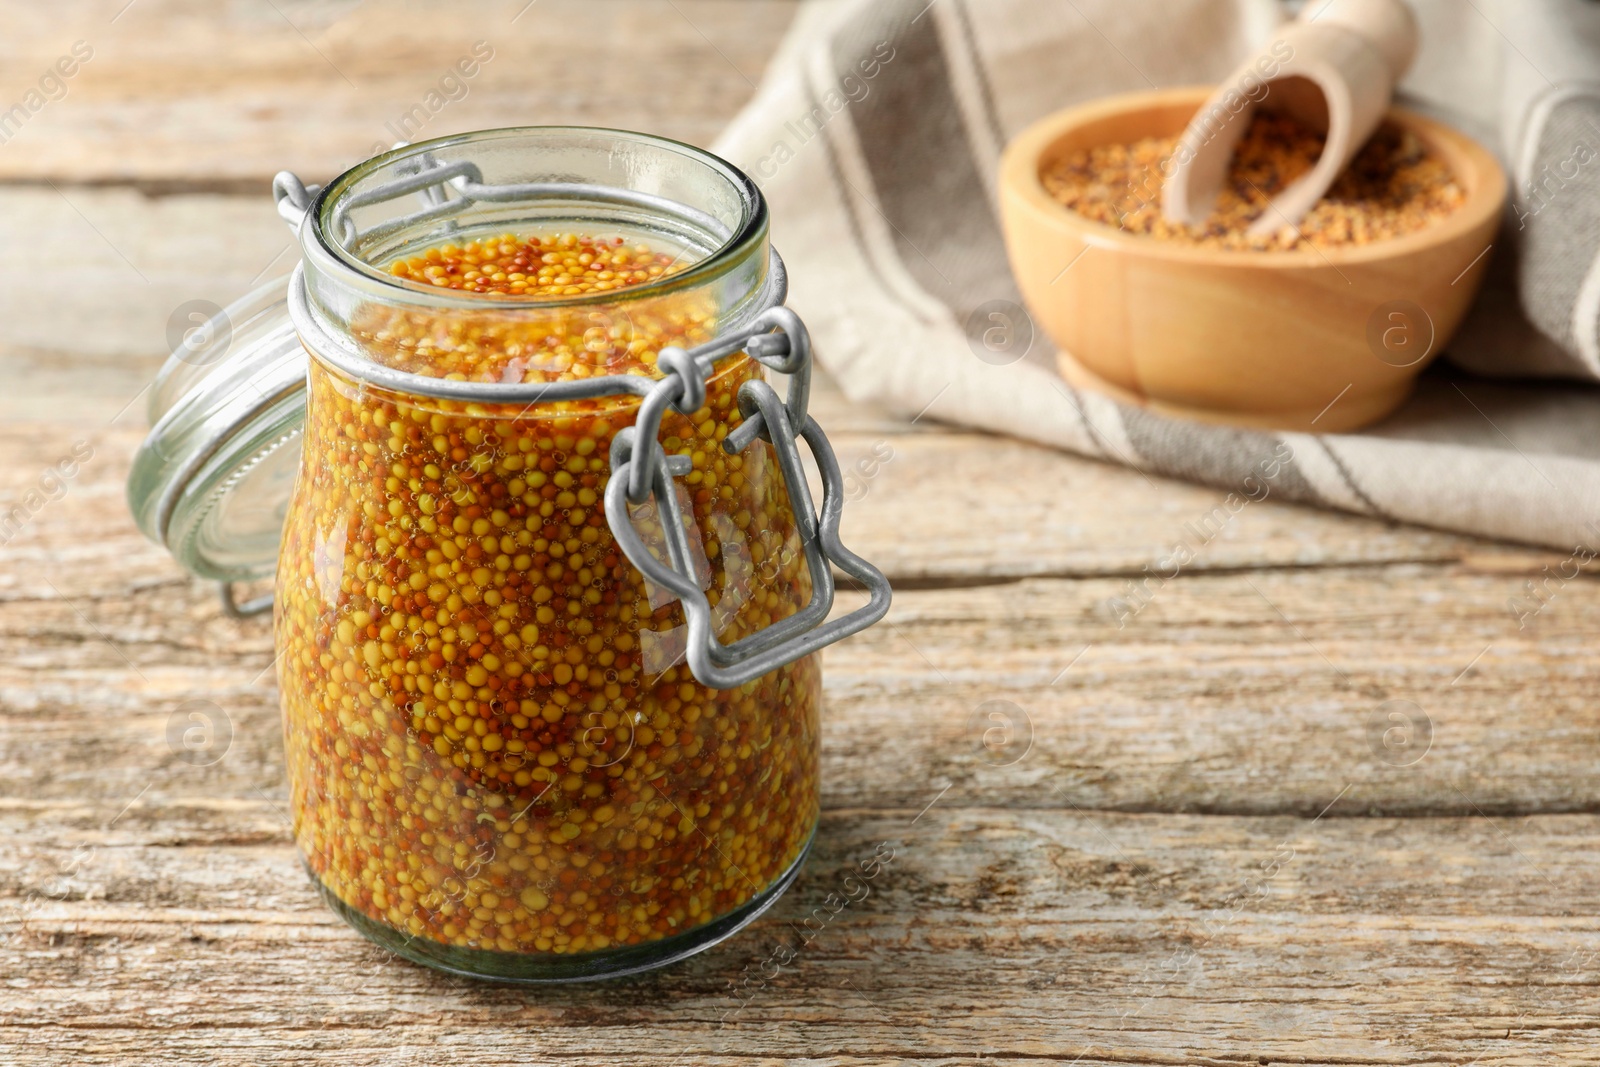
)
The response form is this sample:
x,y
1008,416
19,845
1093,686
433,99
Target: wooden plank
x,y
185,929
914,516
178,97
938,511
88,318
1250,718
1228,691
942,508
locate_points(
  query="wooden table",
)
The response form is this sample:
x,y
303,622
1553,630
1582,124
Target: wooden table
x,y
1208,840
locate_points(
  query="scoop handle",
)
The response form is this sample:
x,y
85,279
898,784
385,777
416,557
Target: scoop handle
x,y
1348,53
1387,25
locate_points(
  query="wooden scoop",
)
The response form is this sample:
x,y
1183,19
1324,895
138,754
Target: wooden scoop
x,y
1334,70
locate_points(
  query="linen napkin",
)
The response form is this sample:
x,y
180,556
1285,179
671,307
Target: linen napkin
x,y
876,134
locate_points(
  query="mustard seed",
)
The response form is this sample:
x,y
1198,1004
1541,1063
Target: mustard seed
x,y
491,738
1394,185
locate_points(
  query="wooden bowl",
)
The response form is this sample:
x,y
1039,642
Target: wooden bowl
x,y
1284,340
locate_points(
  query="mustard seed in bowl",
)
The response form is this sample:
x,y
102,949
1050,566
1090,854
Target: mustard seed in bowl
x,y
1394,186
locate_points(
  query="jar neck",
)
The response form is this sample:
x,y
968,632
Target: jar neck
x,y
540,181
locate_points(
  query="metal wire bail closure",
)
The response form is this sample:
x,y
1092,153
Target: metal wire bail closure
x,y
641,472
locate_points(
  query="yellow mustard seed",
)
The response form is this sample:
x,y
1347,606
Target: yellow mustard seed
x,y
492,740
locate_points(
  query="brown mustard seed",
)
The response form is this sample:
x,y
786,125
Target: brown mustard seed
x,y
1393,186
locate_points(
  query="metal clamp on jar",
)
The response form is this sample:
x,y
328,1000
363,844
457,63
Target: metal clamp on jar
x,y
549,577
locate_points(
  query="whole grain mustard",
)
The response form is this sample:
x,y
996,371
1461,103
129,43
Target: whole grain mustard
x,y
493,741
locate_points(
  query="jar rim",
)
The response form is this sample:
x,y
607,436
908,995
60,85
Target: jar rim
x,y
752,227
324,346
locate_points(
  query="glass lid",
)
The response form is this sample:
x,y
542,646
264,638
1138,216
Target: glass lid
x,y
212,480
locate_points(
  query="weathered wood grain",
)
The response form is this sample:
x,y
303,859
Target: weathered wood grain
x,y
88,318
1091,891
992,936
944,508
1233,688
187,95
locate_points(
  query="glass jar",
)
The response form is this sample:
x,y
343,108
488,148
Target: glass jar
x,y
551,584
